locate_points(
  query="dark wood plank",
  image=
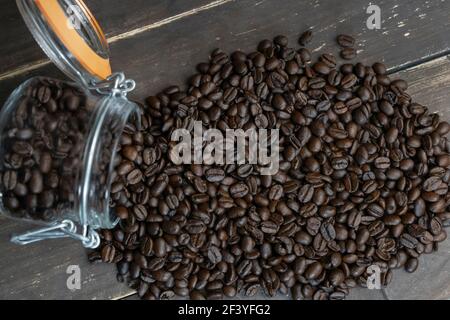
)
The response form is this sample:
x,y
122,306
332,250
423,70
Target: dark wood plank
x,y
165,55
38,271
115,16
411,31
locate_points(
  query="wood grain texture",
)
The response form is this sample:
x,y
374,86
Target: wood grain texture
x,y
411,31
115,16
38,271
167,54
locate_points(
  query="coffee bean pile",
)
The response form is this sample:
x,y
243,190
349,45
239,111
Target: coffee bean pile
x,y
43,147
363,181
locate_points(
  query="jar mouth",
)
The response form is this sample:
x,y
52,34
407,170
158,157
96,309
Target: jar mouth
x,y
70,36
111,117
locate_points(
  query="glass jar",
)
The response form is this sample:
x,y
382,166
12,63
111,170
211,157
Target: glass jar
x,y
58,139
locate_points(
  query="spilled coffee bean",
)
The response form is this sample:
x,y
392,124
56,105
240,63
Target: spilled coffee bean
x,y
363,181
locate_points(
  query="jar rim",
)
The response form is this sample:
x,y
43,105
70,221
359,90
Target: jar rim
x,y
108,107
80,51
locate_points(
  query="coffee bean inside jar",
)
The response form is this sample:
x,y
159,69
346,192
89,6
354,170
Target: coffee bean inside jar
x,y
43,145
56,150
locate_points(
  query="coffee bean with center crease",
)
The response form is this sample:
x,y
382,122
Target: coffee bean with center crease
x,y
135,176
345,41
382,163
214,254
159,185
348,53
215,175
339,163
140,212
313,270
108,253
408,241
10,180
431,184
276,192
269,227
238,190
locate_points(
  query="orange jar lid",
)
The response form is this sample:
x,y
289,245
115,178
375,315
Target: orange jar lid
x,y
71,37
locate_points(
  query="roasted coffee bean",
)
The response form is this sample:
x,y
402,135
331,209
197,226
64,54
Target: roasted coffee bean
x,y
135,176
348,53
306,193
146,246
313,270
328,59
432,184
382,163
411,265
328,232
339,163
215,175
305,38
160,185
121,212
214,255
345,41
140,212
408,241
321,68
238,190
10,180
36,184
108,253
276,192
130,153
269,227
171,227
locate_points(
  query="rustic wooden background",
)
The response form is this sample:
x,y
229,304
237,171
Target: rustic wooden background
x,y
158,43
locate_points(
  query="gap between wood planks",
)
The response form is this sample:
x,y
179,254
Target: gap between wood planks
x,y
412,64
131,33
122,36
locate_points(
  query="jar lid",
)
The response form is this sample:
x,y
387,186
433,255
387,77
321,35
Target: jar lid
x,y
70,36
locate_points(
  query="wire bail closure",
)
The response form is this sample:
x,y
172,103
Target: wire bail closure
x,y
66,229
115,85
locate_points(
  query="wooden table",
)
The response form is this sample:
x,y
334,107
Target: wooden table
x,y
158,43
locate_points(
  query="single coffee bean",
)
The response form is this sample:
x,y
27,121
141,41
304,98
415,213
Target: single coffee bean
x,y
305,38
313,270
348,53
239,190
215,175
135,176
345,41
411,265
10,180
36,184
